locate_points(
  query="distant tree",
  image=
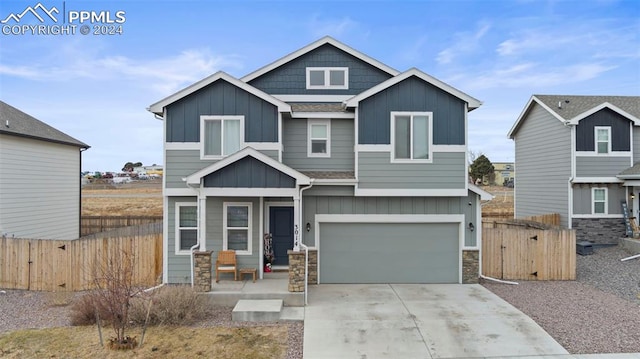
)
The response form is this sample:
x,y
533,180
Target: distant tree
x,y
481,167
472,155
129,166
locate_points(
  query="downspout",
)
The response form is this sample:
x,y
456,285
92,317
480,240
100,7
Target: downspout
x,y
191,250
82,149
306,249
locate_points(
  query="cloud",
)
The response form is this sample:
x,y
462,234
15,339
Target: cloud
x,y
464,43
163,75
332,27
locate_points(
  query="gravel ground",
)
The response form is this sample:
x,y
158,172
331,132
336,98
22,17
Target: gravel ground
x,y
23,309
597,313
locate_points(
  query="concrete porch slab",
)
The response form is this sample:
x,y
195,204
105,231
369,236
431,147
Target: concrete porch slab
x,y
265,310
292,314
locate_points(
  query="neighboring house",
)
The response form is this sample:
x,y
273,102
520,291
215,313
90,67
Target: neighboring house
x,y
503,172
328,148
39,178
154,169
575,156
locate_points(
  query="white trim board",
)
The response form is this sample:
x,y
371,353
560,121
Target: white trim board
x,y
409,192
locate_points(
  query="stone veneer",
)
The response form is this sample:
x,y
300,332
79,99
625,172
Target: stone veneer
x,y
296,271
470,266
202,271
599,230
313,267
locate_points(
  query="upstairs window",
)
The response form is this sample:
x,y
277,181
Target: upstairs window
x,y
599,203
411,136
221,136
603,140
336,78
319,138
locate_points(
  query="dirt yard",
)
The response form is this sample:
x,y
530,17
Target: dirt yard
x,y
139,198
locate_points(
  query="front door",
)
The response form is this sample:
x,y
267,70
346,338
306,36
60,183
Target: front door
x,y
281,227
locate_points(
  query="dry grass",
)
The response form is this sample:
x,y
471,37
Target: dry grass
x,y
502,204
142,198
160,342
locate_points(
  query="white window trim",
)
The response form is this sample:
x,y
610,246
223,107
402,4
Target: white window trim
x,y
429,115
203,119
326,122
176,238
593,200
327,86
225,242
595,139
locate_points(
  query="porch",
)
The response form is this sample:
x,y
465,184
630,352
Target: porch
x,y
274,285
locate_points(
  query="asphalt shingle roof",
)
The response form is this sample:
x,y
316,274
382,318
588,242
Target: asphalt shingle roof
x,y
330,174
573,106
317,107
17,123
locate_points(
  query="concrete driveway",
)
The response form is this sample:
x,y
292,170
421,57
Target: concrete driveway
x,y
417,321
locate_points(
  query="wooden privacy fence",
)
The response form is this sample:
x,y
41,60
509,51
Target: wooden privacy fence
x,y
529,254
552,219
71,265
97,224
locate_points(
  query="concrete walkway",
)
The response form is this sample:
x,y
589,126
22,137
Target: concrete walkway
x,y
418,321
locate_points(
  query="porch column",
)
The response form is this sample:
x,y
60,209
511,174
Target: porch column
x,y
202,221
297,226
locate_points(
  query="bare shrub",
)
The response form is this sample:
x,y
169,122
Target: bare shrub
x,y
83,309
172,305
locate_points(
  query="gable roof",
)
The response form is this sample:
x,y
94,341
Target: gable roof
x,y
158,107
472,102
570,109
325,40
195,178
17,123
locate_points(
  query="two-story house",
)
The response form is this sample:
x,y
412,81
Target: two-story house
x,y
328,148
575,156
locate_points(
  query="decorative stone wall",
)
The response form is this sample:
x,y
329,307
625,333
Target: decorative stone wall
x,y
296,271
202,271
599,230
313,267
470,266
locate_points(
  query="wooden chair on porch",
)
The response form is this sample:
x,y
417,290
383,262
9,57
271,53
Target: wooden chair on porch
x,y
226,263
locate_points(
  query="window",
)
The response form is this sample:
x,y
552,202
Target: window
x,y
327,78
599,205
237,227
186,223
319,138
221,135
411,136
603,139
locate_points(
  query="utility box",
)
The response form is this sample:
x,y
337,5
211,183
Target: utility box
x,y
584,248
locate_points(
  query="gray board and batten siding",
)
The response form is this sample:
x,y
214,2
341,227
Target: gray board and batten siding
x,y
294,139
221,98
447,171
601,166
389,253
249,173
620,127
182,163
324,201
290,78
412,94
582,201
543,165
180,265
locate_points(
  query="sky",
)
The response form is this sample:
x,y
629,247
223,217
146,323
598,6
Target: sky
x,y
97,87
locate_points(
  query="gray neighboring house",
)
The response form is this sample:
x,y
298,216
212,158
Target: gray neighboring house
x,y
326,148
39,178
575,156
